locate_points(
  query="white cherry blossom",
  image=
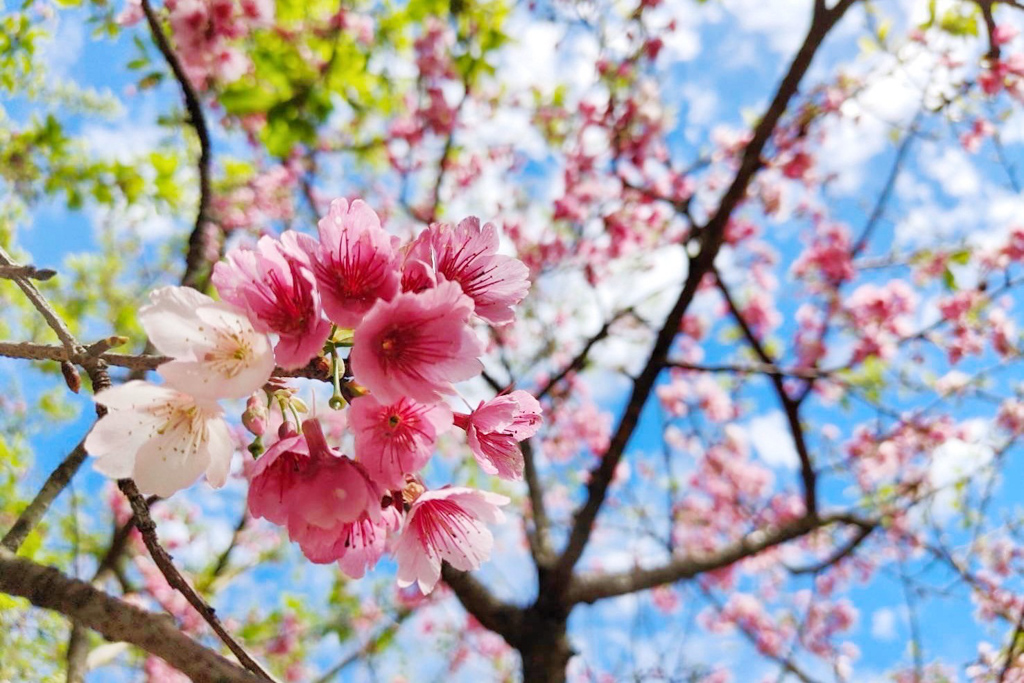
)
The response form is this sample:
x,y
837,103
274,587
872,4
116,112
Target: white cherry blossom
x,y
217,352
160,437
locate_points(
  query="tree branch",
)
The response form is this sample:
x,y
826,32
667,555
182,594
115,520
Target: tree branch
x,y
711,238
790,406
589,588
500,617
144,523
577,363
195,260
33,351
14,272
845,551
33,514
890,184
115,619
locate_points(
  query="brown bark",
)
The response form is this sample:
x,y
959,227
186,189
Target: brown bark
x,y
115,619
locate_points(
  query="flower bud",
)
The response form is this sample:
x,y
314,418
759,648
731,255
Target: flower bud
x,y
255,416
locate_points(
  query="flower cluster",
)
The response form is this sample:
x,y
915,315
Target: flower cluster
x,y
405,315
205,33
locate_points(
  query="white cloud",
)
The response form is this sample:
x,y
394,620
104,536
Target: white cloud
x,y
952,170
954,461
64,50
125,142
782,24
773,441
883,624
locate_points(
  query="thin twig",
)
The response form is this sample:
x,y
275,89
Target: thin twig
x,y
580,360
195,260
790,406
34,351
59,327
144,523
14,272
366,649
33,514
845,551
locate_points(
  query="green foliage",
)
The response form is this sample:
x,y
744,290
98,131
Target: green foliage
x,y
959,20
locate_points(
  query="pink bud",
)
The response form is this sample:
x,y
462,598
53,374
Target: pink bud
x,y
255,416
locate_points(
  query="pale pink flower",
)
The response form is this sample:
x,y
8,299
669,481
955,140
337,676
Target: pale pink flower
x,y
356,546
162,438
446,525
302,481
217,353
397,439
279,294
467,254
131,14
354,262
495,429
417,345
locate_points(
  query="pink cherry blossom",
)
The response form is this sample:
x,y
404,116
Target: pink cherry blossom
x,y
279,294
416,345
397,439
446,525
354,262
356,546
828,258
467,254
275,480
217,352
880,317
495,429
302,481
160,437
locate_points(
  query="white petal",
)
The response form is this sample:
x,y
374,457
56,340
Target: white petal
x,y
219,448
135,395
469,548
163,466
172,324
115,440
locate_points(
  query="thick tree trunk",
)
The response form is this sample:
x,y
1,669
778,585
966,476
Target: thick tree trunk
x,y
544,649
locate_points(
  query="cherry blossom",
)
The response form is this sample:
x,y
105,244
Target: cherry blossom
x,y
447,525
160,437
394,440
354,262
417,345
495,428
279,294
467,254
301,481
356,546
216,351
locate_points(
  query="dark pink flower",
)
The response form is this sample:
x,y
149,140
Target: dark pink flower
x,y
279,293
448,525
301,481
397,439
276,479
354,262
417,345
356,546
495,429
467,254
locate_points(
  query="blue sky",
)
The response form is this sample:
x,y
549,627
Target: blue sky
x,y
729,57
